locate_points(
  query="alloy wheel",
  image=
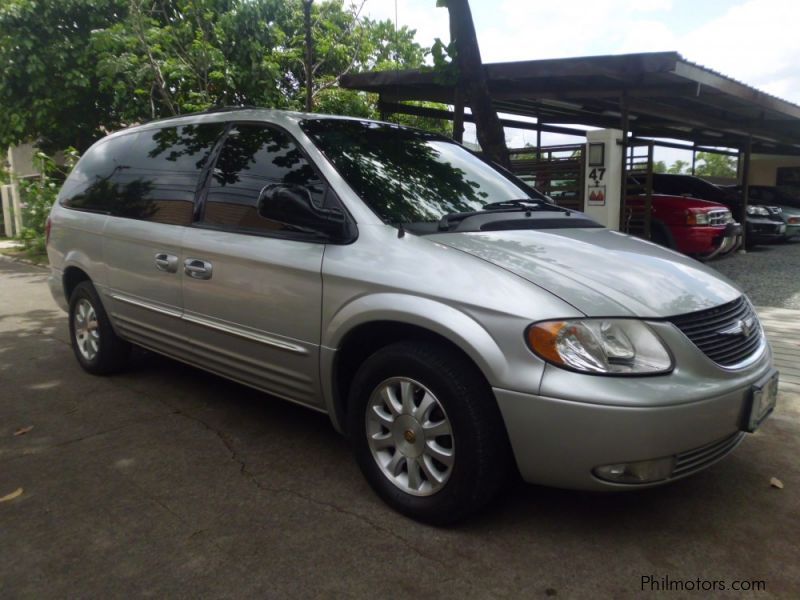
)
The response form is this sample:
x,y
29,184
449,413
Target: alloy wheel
x,y
410,436
87,334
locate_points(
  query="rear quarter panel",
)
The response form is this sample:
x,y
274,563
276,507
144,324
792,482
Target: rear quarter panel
x,y
76,240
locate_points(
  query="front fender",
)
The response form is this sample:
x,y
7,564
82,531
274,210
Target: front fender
x,y
451,323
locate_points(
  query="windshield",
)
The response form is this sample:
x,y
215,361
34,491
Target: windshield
x,y
408,176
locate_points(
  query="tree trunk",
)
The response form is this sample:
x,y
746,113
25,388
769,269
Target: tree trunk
x,y
472,78
308,61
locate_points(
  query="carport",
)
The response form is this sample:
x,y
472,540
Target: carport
x,y
653,98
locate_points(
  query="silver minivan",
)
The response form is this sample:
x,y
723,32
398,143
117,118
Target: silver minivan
x,y
452,321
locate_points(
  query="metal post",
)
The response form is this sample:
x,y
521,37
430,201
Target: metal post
x,y
624,125
383,109
694,159
648,201
739,167
458,115
538,139
748,148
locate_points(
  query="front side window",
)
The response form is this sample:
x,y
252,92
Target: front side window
x,y
410,176
263,183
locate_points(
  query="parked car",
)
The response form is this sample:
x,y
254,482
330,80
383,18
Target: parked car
x,y
761,226
777,202
452,322
699,228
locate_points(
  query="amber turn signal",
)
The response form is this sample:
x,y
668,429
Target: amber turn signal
x,y
542,338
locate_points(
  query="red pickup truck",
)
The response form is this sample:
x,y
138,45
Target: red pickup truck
x,y
699,228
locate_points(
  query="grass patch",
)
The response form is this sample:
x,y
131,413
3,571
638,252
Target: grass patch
x,y
37,258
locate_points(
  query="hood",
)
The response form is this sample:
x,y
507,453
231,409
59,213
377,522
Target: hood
x,y
601,272
678,203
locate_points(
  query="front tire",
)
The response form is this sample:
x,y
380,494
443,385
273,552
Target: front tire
x,y
99,350
427,432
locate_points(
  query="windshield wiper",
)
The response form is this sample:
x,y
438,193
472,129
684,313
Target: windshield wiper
x,y
525,205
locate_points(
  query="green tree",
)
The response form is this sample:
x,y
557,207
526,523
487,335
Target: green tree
x,y
715,165
678,167
659,167
49,86
75,69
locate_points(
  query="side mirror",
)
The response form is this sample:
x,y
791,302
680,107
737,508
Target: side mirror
x,y
292,205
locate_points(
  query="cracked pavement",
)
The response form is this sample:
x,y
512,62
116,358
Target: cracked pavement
x,y
167,481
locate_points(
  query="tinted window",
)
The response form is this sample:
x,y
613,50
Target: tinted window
x,y
257,170
150,175
88,187
409,176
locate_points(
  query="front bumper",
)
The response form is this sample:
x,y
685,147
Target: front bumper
x,y
706,242
578,422
761,231
559,442
792,230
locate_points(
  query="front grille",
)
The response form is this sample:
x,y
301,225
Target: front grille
x,y
718,217
705,328
699,458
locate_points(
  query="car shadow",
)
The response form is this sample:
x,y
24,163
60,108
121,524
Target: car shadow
x,y
257,429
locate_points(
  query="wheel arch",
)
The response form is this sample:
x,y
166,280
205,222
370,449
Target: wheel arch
x,y
371,323
71,277
666,233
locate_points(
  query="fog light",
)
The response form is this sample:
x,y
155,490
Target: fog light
x,y
643,471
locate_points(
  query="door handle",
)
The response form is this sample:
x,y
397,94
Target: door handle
x,y
197,269
166,262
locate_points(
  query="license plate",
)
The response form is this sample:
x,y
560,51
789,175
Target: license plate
x,y
782,228
762,402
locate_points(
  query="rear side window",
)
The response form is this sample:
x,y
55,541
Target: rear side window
x,y
150,175
89,186
258,168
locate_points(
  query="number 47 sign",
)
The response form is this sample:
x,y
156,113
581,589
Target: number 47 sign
x,y
596,175
597,191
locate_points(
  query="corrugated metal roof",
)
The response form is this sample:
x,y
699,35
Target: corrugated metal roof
x,y
666,96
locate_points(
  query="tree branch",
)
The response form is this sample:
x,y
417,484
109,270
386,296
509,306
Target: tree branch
x,y
161,85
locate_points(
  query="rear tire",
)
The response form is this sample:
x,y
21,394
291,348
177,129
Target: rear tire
x,y
659,234
99,350
427,432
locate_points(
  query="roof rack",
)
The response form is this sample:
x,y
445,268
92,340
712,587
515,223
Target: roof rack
x,y
212,110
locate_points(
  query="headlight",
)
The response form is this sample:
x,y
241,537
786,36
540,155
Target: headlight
x,y
761,211
610,346
696,217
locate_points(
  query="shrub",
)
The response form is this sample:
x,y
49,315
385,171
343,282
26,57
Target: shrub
x,y
38,195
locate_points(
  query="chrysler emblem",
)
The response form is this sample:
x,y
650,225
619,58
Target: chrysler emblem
x,y
742,327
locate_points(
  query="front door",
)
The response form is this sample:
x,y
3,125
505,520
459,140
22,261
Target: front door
x,y
252,285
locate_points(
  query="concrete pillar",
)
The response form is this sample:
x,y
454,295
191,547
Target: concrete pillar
x,y
603,181
8,224
16,205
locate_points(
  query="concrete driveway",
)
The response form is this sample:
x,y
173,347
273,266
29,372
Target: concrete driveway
x,y
170,482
